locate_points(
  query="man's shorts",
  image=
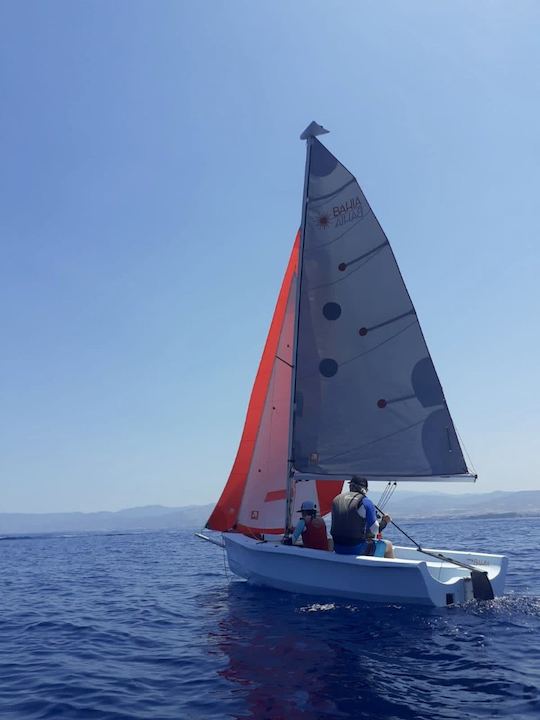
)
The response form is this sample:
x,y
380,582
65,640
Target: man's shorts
x,y
362,549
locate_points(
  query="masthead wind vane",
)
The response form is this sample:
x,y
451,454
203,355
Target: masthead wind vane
x,y
312,130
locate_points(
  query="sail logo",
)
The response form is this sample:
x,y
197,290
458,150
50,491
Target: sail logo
x,y
341,214
347,211
323,221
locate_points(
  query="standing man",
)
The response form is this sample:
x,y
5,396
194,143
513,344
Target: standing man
x,y
355,528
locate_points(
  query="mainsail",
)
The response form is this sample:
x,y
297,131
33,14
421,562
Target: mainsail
x,y
254,497
368,400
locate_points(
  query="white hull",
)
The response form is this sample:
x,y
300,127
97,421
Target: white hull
x,y
411,578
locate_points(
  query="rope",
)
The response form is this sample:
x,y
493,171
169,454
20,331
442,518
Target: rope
x,y
389,491
439,556
473,469
385,492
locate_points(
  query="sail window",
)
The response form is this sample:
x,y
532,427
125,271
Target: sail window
x,y
332,311
328,367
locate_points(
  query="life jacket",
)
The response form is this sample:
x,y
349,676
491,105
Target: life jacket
x,y
314,534
348,528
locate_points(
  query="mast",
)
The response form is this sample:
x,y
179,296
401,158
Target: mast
x,y
312,130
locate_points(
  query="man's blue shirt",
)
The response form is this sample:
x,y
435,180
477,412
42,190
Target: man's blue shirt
x,y
371,515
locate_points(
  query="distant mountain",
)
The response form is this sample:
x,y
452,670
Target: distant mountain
x,y
403,505
415,505
152,517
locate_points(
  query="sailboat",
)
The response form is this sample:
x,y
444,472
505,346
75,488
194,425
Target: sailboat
x,y
345,386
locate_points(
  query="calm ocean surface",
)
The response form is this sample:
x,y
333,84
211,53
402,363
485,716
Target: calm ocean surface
x,y
152,625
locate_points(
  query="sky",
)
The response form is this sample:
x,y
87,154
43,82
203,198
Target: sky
x,y
150,190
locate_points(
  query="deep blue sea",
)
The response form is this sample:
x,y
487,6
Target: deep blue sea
x,y
153,625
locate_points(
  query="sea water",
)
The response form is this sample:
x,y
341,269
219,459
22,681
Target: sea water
x,y
153,625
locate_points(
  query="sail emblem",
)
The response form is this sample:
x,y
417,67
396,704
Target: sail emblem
x,y
338,214
347,211
323,221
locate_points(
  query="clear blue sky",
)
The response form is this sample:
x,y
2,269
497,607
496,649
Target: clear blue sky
x,y
151,177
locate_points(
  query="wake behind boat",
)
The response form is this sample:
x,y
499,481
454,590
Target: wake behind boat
x,y
345,387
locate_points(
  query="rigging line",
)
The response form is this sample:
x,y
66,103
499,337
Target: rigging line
x,y
390,494
418,546
384,494
439,556
473,469
284,361
383,501
482,588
